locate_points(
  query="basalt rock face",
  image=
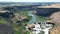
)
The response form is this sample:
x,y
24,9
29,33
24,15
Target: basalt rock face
x,y
21,8
46,11
7,15
6,29
40,11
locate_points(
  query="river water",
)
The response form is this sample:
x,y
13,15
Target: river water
x,y
34,17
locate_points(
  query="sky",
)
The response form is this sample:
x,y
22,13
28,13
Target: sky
x,y
29,0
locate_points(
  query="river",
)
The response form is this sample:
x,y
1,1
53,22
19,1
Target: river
x,y
34,17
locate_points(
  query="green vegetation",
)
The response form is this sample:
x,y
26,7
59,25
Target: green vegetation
x,y
42,32
29,17
47,26
25,13
27,32
20,29
17,32
3,21
42,19
17,28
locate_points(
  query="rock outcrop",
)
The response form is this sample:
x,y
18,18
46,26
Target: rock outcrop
x,y
6,29
56,19
6,14
46,11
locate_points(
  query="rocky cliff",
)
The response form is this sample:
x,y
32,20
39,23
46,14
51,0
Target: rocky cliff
x,y
56,19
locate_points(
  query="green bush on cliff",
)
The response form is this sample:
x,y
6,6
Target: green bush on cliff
x,y
3,21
